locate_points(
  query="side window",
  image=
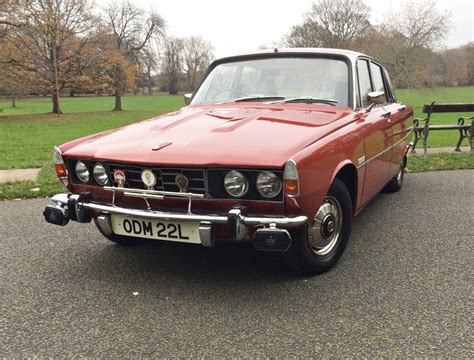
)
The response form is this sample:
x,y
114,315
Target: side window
x,y
377,78
389,86
365,85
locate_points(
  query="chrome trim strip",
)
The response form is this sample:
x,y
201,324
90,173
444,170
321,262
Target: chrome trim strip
x,y
284,222
155,192
140,195
384,151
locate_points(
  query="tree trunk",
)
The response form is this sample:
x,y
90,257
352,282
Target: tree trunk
x,y
56,105
14,102
118,101
150,84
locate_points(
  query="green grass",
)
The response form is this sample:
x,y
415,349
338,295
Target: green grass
x,y
29,132
47,184
27,136
417,98
434,162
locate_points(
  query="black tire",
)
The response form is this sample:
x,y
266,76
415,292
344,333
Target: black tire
x,y
395,184
301,256
120,239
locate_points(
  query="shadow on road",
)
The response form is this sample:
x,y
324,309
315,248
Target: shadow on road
x,y
226,262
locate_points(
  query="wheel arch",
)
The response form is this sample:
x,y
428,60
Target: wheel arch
x,y
347,173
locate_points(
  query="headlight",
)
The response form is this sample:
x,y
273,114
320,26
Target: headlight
x,y
236,184
268,184
100,174
81,171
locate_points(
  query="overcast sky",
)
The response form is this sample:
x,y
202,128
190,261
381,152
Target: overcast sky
x,y
244,25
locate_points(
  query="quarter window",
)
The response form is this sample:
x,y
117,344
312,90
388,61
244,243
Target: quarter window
x,y
377,78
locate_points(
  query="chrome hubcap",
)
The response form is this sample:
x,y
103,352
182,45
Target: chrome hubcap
x,y
400,175
325,229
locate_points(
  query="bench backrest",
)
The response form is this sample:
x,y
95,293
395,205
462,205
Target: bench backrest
x,y
447,108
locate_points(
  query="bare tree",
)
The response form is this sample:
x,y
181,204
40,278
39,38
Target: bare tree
x,y
132,29
197,53
7,8
469,50
148,64
406,40
331,23
172,64
47,39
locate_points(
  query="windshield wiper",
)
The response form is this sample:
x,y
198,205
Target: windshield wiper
x,y
308,100
257,98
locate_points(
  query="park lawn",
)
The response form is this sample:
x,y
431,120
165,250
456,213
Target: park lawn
x,y
442,161
416,98
27,140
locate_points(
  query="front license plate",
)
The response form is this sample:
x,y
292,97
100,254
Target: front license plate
x,y
156,229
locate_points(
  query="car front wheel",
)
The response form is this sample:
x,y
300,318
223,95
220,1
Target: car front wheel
x,y
317,247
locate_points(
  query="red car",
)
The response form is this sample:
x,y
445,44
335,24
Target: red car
x,y
280,148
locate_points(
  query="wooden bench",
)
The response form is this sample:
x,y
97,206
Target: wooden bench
x,y
465,130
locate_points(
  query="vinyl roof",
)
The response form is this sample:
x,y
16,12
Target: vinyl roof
x,y
348,53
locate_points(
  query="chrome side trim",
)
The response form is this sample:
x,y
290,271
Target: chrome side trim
x,y
384,151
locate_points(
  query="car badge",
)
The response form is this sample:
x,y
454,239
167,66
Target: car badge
x,y
161,146
149,179
119,177
182,182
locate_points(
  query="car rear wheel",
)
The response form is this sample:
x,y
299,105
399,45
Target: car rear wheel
x,y
317,247
395,184
120,239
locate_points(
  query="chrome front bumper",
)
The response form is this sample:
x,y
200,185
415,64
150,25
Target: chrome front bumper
x,y
237,223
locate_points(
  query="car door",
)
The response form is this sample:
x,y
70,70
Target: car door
x,y
377,134
401,126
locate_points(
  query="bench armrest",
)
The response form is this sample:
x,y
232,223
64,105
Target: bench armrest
x,y
464,118
416,121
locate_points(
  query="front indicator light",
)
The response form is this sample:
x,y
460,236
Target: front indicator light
x,y
59,162
291,187
59,166
291,179
60,170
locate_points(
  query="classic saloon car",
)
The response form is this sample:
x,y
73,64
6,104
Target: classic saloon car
x,y
280,148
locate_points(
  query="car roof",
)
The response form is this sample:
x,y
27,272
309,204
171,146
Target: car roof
x,y
352,55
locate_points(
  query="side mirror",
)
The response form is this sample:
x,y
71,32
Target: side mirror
x,y
377,97
187,98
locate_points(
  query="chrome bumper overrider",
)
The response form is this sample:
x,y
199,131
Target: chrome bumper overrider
x,y
237,223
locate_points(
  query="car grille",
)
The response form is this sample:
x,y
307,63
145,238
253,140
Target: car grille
x,y
165,177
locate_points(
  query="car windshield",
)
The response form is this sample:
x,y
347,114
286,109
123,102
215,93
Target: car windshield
x,y
324,80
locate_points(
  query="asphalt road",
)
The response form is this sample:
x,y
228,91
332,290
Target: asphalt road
x,y
402,289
